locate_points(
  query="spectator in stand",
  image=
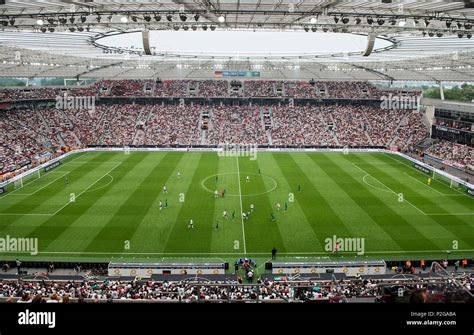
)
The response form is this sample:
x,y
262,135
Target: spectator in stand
x,y
186,291
30,136
457,155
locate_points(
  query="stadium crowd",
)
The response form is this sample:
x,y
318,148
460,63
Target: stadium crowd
x,y
241,125
231,290
466,126
207,88
260,88
452,153
29,133
172,125
36,133
300,126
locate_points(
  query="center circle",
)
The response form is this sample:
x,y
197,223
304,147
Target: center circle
x,y
244,174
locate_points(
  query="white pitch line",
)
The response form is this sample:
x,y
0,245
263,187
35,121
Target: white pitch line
x,y
48,184
95,162
448,195
241,207
103,186
235,253
15,190
88,187
452,214
431,188
23,214
404,200
84,191
380,189
55,171
240,195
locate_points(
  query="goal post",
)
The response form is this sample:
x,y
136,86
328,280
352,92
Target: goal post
x,y
18,184
24,180
446,179
440,176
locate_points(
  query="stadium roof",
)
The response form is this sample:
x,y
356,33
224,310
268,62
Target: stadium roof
x,y
416,40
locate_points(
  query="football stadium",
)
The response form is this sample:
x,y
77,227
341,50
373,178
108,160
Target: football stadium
x,y
237,151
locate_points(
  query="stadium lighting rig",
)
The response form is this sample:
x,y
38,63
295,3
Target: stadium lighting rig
x,y
354,22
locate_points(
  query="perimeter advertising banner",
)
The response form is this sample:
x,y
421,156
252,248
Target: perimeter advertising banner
x,y
422,168
52,166
220,74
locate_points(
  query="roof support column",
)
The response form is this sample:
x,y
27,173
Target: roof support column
x,y
441,90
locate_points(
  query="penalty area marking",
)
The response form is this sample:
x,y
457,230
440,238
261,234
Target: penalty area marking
x,y
103,186
431,188
434,179
88,187
79,155
31,182
64,206
388,188
51,182
240,195
380,189
443,194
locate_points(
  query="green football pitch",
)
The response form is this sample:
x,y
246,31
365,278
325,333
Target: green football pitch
x,y
99,206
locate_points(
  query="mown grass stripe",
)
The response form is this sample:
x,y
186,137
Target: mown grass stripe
x,y
348,202
259,223
370,201
123,224
295,230
46,200
91,220
322,218
412,192
402,230
54,227
199,206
